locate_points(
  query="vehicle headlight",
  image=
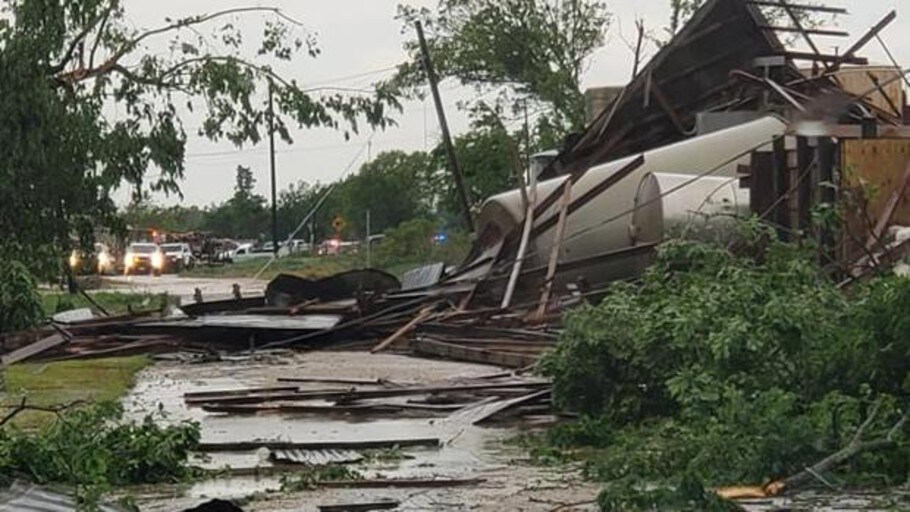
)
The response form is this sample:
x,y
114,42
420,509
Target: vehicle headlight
x,y
129,260
104,259
157,260
74,259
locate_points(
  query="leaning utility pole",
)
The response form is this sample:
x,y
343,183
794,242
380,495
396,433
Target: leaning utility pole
x,y
272,158
444,126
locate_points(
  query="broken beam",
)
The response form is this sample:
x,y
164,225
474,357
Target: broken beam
x,y
590,195
800,7
843,59
474,355
874,31
242,446
851,131
362,394
813,31
359,507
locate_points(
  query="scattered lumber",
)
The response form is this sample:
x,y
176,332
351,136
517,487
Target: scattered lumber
x,y
354,394
360,507
29,351
242,446
430,347
480,412
403,482
404,330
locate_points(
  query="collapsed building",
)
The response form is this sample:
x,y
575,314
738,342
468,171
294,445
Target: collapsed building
x,y
724,121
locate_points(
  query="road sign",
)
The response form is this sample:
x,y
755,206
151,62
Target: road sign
x,y
339,223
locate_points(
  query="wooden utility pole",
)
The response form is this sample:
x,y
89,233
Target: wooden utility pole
x,y
272,164
444,126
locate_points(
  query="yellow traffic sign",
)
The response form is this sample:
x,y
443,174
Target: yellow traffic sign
x,y
339,223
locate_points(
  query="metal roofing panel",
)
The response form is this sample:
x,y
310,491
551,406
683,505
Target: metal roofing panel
x,y
422,277
316,457
25,497
270,322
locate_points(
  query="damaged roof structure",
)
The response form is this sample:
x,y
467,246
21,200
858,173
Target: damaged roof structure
x,y
723,122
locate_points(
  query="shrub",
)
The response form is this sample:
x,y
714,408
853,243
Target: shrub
x,y
734,367
20,305
94,449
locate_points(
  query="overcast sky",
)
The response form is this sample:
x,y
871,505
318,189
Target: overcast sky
x,y
361,41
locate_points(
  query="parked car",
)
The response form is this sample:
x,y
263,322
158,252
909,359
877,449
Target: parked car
x,y
99,260
177,257
143,257
246,252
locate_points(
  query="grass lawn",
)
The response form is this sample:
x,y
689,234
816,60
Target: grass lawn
x,y
47,384
308,267
115,303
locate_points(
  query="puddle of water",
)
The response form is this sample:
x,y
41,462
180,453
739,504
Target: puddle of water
x,y
467,452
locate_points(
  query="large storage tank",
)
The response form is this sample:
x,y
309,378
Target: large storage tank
x,y
603,224
678,204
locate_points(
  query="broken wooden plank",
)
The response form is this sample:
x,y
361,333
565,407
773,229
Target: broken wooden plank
x,y
868,36
240,392
243,446
39,347
350,395
474,355
360,507
558,239
840,59
345,380
402,482
477,413
800,7
404,330
590,195
363,409
896,196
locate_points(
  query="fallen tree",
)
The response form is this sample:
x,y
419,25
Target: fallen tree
x,y
93,449
721,368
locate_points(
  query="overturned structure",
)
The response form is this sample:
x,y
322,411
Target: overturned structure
x,y
724,121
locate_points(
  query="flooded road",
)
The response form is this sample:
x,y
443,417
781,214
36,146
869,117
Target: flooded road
x,y
511,482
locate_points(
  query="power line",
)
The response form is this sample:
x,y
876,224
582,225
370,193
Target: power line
x,y
329,81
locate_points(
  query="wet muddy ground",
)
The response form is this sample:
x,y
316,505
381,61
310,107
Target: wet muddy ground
x,y
511,481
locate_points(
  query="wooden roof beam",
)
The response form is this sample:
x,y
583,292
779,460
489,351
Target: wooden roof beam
x,y
801,7
799,26
870,35
814,31
842,59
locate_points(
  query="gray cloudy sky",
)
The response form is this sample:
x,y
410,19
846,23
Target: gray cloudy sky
x,y
361,41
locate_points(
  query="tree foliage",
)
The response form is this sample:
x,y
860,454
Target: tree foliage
x,y
20,305
538,50
94,450
66,66
414,241
489,160
244,215
736,368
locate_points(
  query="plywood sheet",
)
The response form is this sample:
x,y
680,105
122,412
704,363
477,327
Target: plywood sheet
x,y
872,171
858,81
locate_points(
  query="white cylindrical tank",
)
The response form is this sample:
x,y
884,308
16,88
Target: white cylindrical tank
x,y
679,204
602,225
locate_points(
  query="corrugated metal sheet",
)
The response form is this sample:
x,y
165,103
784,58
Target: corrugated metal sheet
x,y
24,497
250,321
316,457
422,277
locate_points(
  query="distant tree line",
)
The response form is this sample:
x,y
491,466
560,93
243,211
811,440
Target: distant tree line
x,y
395,187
